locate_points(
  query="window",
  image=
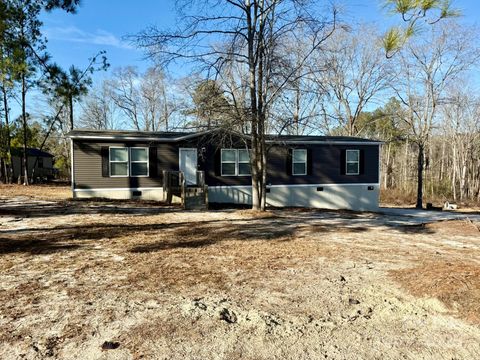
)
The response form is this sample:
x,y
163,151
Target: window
x,y
126,162
235,162
138,161
119,161
229,162
244,162
40,162
299,162
352,162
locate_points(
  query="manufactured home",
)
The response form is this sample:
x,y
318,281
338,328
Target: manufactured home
x,y
40,164
331,172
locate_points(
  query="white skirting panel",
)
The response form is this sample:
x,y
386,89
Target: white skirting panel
x,y
324,196
359,197
121,194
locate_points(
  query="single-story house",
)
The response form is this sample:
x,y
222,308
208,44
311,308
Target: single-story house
x,y
43,166
333,172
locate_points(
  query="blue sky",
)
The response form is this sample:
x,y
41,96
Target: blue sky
x,y
101,25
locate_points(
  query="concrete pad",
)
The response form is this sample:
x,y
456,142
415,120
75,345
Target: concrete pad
x,y
426,216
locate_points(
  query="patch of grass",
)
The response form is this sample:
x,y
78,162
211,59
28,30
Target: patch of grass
x,y
41,192
456,284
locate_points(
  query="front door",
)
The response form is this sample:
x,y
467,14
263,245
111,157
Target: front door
x,y
188,165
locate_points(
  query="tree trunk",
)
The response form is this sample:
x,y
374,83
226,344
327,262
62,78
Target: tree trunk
x,y
405,167
463,176
296,113
6,171
8,162
430,168
263,204
442,161
70,105
165,107
454,172
420,166
387,166
25,131
252,66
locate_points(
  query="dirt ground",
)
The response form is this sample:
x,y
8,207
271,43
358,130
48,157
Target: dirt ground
x,y
127,280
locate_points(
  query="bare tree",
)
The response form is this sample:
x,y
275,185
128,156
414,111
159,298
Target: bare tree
x,y
125,94
99,110
154,104
356,73
143,98
249,34
426,67
461,123
299,106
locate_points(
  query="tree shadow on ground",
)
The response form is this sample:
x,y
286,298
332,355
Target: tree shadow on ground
x,y
205,234
283,226
41,241
43,209
270,229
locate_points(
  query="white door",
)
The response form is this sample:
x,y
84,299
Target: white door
x,y
188,165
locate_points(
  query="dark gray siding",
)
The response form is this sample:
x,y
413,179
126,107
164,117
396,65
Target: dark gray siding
x,y
326,165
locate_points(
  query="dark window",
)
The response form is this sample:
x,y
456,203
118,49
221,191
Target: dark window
x,y
139,161
299,162
244,162
235,162
352,165
119,161
126,162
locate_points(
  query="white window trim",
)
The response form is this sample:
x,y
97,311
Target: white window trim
x,y
299,162
110,161
352,162
236,162
131,161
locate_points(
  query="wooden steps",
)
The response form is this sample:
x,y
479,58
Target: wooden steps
x,y
193,197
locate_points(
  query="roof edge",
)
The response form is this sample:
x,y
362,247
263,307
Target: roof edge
x,y
332,142
76,134
100,136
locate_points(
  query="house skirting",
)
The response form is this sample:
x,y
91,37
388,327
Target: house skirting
x,y
358,197
155,194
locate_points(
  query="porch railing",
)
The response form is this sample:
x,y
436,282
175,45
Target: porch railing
x,y
193,196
